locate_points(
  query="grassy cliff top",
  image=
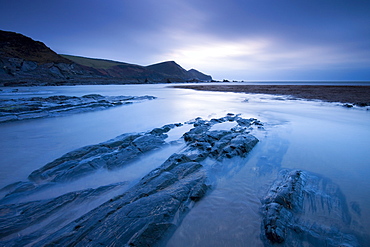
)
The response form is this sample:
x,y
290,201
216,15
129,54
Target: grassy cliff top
x,y
93,62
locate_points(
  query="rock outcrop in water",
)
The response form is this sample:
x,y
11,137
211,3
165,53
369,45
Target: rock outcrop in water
x,y
40,107
143,215
23,215
110,155
303,208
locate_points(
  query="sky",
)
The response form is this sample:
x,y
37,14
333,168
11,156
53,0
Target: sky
x,y
228,39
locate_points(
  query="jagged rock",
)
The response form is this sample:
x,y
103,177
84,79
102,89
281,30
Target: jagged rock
x,y
16,217
38,107
110,155
283,197
142,215
291,212
220,143
348,105
28,66
165,129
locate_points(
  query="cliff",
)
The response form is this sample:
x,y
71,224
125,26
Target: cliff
x,y
24,61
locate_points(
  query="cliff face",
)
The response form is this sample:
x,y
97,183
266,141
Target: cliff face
x,y
199,75
175,72
24,61
15,45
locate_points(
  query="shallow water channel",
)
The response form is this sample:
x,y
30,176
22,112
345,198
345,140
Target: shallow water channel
x,y
325,139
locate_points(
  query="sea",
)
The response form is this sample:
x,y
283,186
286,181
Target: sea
x,y
325,139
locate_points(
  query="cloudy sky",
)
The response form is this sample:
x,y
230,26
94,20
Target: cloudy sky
x,y
233,39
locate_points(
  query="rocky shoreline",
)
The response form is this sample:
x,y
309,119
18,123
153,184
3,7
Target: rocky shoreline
x,y
41,107
299,207
143,215
348,95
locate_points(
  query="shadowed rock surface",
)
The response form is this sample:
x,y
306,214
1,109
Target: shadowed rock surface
x,y
302,208
109,155
39,107
16,217
219,144
143,215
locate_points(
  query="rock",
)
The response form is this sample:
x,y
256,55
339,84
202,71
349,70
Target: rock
x,y
362,104
148,142
283,197
28,66
220,143
165,129
38,107
202,142
348,105
55,72
17,217
110,155
303,208
152,207
144,214
95,96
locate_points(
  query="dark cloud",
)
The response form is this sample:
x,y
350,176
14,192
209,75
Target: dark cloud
x,y
241,39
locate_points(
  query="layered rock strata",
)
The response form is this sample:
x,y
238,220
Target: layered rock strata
x,y
304,209
40,107
142,215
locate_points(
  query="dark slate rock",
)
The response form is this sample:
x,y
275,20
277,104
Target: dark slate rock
x,y
239,145
142,215
19,187
16,217
110,155
348,105
113,161
283,197
166,128
290,212
220,143
148,142
96,96
152,207
38,107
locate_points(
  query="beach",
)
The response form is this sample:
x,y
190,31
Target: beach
x,y
358,95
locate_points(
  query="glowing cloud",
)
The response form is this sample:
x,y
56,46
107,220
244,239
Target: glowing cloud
x,y
258,56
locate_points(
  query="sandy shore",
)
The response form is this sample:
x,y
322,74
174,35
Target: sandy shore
x,y
358,95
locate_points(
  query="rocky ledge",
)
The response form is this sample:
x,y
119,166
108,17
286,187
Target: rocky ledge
x,y
142,215
40,107
303,209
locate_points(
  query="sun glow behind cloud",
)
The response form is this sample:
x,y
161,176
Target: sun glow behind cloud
x,y
215,54
259,57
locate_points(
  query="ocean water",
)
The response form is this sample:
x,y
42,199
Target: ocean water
x,y
321,138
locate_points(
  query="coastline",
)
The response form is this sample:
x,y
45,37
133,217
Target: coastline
x,y
357,95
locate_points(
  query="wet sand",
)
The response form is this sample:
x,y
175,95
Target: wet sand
x,y
358,95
